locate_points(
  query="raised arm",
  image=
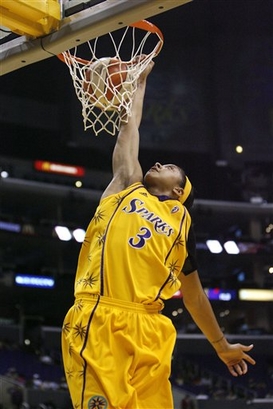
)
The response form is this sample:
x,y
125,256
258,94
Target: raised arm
x,y
195,300
125,163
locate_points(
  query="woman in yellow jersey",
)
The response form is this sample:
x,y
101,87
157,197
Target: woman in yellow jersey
x,y
139,249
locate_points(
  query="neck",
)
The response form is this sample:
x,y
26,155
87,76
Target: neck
x,y
153,190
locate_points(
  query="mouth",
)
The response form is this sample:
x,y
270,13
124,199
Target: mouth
x,y
153,169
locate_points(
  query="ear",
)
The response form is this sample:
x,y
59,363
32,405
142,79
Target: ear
x,y
178,191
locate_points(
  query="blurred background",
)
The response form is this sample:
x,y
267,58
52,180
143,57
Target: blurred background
x,y
209,109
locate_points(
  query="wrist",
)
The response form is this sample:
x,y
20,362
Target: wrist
x,y
220,344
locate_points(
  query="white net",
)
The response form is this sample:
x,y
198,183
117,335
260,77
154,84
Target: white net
x,y
105,85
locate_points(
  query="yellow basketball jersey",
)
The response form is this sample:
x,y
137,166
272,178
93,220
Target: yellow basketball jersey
x,y
134,248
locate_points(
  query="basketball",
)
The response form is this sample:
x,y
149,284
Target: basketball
x,y
104,82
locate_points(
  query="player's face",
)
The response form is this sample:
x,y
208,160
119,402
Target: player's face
x,y
164,177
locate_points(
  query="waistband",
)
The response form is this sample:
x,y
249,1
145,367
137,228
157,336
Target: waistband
x,y
153,308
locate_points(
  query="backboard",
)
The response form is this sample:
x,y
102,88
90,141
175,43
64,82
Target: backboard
x,y
80,21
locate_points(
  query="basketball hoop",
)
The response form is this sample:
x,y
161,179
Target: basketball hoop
x,y
105,85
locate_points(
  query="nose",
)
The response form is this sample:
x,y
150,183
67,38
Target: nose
x,y
158,165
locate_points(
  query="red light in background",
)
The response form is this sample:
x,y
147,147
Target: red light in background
x,y
178,294
59,168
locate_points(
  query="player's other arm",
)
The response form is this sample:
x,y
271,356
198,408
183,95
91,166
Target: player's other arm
x,y
199,307
125,163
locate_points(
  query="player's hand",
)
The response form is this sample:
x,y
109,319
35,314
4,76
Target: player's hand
x,y
143,76
236,358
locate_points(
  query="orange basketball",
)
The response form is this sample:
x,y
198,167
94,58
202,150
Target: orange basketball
x,y
103,79
117,73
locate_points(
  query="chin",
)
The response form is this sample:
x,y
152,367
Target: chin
x,y
148,179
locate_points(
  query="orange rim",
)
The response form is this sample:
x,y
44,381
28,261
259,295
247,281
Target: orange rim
x,y
142,24
148,26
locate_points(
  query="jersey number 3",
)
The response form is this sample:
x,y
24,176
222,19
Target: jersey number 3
x,y
140,240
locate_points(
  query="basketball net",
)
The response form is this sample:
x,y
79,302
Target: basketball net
x,y
106,101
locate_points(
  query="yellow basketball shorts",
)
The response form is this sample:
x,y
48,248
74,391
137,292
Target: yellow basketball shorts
x,y
117,355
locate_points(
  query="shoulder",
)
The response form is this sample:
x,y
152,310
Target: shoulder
x,y
133,187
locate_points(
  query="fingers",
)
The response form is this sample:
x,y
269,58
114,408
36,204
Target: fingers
x,y
241,367
149,67
237,360
238,369
247,347
247,357
139,58
144,74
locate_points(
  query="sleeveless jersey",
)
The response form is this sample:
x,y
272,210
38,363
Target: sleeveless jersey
x,y
134,248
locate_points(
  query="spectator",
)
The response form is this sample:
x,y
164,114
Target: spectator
x,y
187,403
16,397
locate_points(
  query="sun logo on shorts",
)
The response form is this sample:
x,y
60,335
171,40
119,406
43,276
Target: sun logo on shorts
x,y
97,402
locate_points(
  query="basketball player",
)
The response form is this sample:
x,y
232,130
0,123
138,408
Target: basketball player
x,y
139,249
